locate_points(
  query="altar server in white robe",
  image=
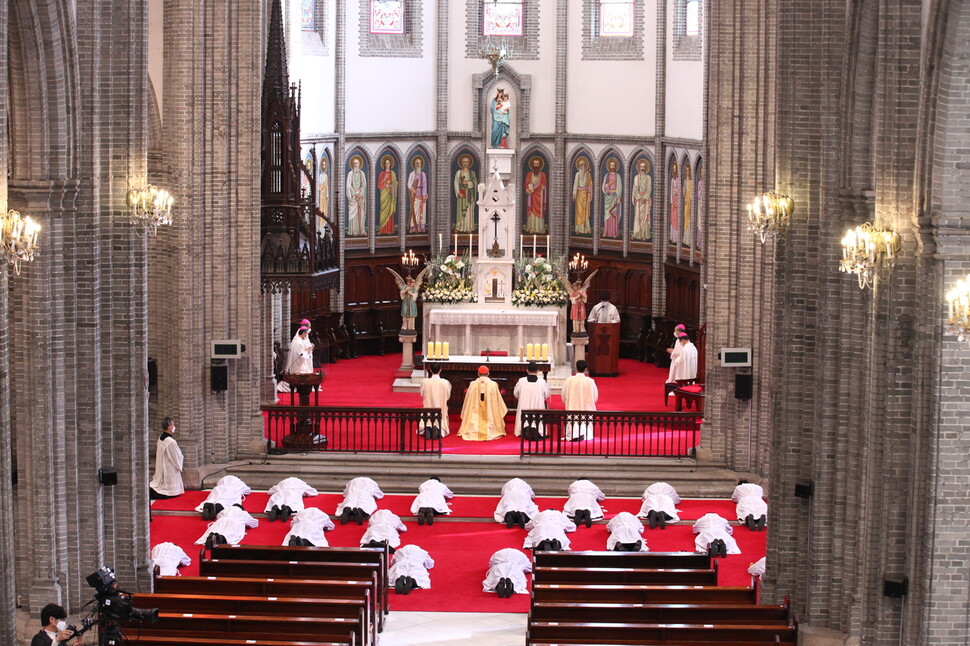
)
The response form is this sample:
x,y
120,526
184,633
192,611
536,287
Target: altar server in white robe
x,y
517,504
229,491
409,569
435,393
230,527
286,498
169,557
683,360
579,393
432,500
752,510
506,573
383,530
360,500
307,528
531,393
604,311
710,528
625,534
758,567
167,481
658,506
299,360
547,531
583,504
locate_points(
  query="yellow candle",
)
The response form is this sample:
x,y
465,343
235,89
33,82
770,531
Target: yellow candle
x,y
522,350
528,351
437,349
431,349
445,348
545,352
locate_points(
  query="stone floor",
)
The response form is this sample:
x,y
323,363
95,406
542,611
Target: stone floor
x,y
453,629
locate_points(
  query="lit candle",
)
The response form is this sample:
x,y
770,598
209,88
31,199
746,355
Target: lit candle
x,y
528,351
441,243
445,349
545,352
437,349
456,244
431,349
521,244
534,242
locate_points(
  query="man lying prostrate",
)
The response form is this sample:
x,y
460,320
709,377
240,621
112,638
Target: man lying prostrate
x,y
229,491
383,530
714,536
286,498
658,505
752,510
547,531
169,557
583,505
431,501
506,573
517,504
229,528
307,529
409,569
360,500
757,568
625,534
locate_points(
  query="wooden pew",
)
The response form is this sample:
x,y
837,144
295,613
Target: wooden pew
x,y
677,560
144,639
376,556
264,605
616,593
661,613
642,633
606,575
362,589
337,629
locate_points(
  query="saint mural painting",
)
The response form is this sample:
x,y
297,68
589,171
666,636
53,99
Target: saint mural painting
x,y
387,185
536,192
418,192
674,202
356,188
466,194
612,189
641,200
582,196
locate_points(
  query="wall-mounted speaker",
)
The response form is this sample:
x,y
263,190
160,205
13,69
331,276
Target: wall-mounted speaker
x,y
743,385
108,476
804,489
895,588
220,378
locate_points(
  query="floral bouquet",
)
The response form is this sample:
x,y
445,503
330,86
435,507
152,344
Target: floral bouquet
x,y
449,280
537,282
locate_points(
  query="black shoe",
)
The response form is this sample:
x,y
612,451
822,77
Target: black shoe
x,y
635,547
761,522
345,515
712,549
208,511
661,520
430,517
722,548
401,585
505,588
420,517
523,519
652,519
295,541
750,522
362,516
511,519
273,514
285,513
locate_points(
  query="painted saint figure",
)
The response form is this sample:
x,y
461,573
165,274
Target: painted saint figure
x,y
535,190
688,204
418,196
582,196
642,194
612,194
674,203
323,190
356,199
500,108
699,226
466,187
387,188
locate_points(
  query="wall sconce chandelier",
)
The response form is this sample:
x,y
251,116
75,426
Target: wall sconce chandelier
x,y
151,206
494,54
866,250
770,214
958,323
19,238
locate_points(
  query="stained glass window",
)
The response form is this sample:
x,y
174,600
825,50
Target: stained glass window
x,y
616,18
308,11
502,18
387,16
693,15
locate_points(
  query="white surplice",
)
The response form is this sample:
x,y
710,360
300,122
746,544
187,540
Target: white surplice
x,y
579,393
231,523
583,494
664,489
683,362
384,525
530,395
435,392
229,490
625,528
168,467
604,312
290,493
508,563
548,525
169,557
411,561
310,524
362,493
433,494
710,527
659,502
299,360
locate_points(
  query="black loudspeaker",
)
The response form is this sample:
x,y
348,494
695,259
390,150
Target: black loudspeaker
x,y
152,373
895,588
108,476
220,378
804,489
743,385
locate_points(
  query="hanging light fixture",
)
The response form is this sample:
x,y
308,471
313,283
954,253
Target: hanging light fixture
x,y
958,298
19,238
770,214
151,206
867,250
494,53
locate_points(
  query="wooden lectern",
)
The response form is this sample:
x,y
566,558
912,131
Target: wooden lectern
x,y
603,352
304,433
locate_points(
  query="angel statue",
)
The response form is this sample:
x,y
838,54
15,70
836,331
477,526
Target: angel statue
x,y
410,287
577,297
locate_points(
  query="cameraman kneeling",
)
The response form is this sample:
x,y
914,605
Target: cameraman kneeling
x,y
56,631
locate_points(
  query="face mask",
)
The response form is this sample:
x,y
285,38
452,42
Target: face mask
x,y
61,625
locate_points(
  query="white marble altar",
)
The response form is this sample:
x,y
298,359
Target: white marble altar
x,y
472,328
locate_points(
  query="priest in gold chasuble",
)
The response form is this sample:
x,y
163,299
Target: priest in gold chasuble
x,y
483,414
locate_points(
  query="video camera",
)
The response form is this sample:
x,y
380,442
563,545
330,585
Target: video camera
x,y
114,604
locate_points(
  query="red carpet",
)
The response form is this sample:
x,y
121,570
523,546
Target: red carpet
x,y
367,381
461,549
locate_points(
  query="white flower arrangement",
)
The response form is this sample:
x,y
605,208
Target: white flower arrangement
x,y
537,282
450,280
